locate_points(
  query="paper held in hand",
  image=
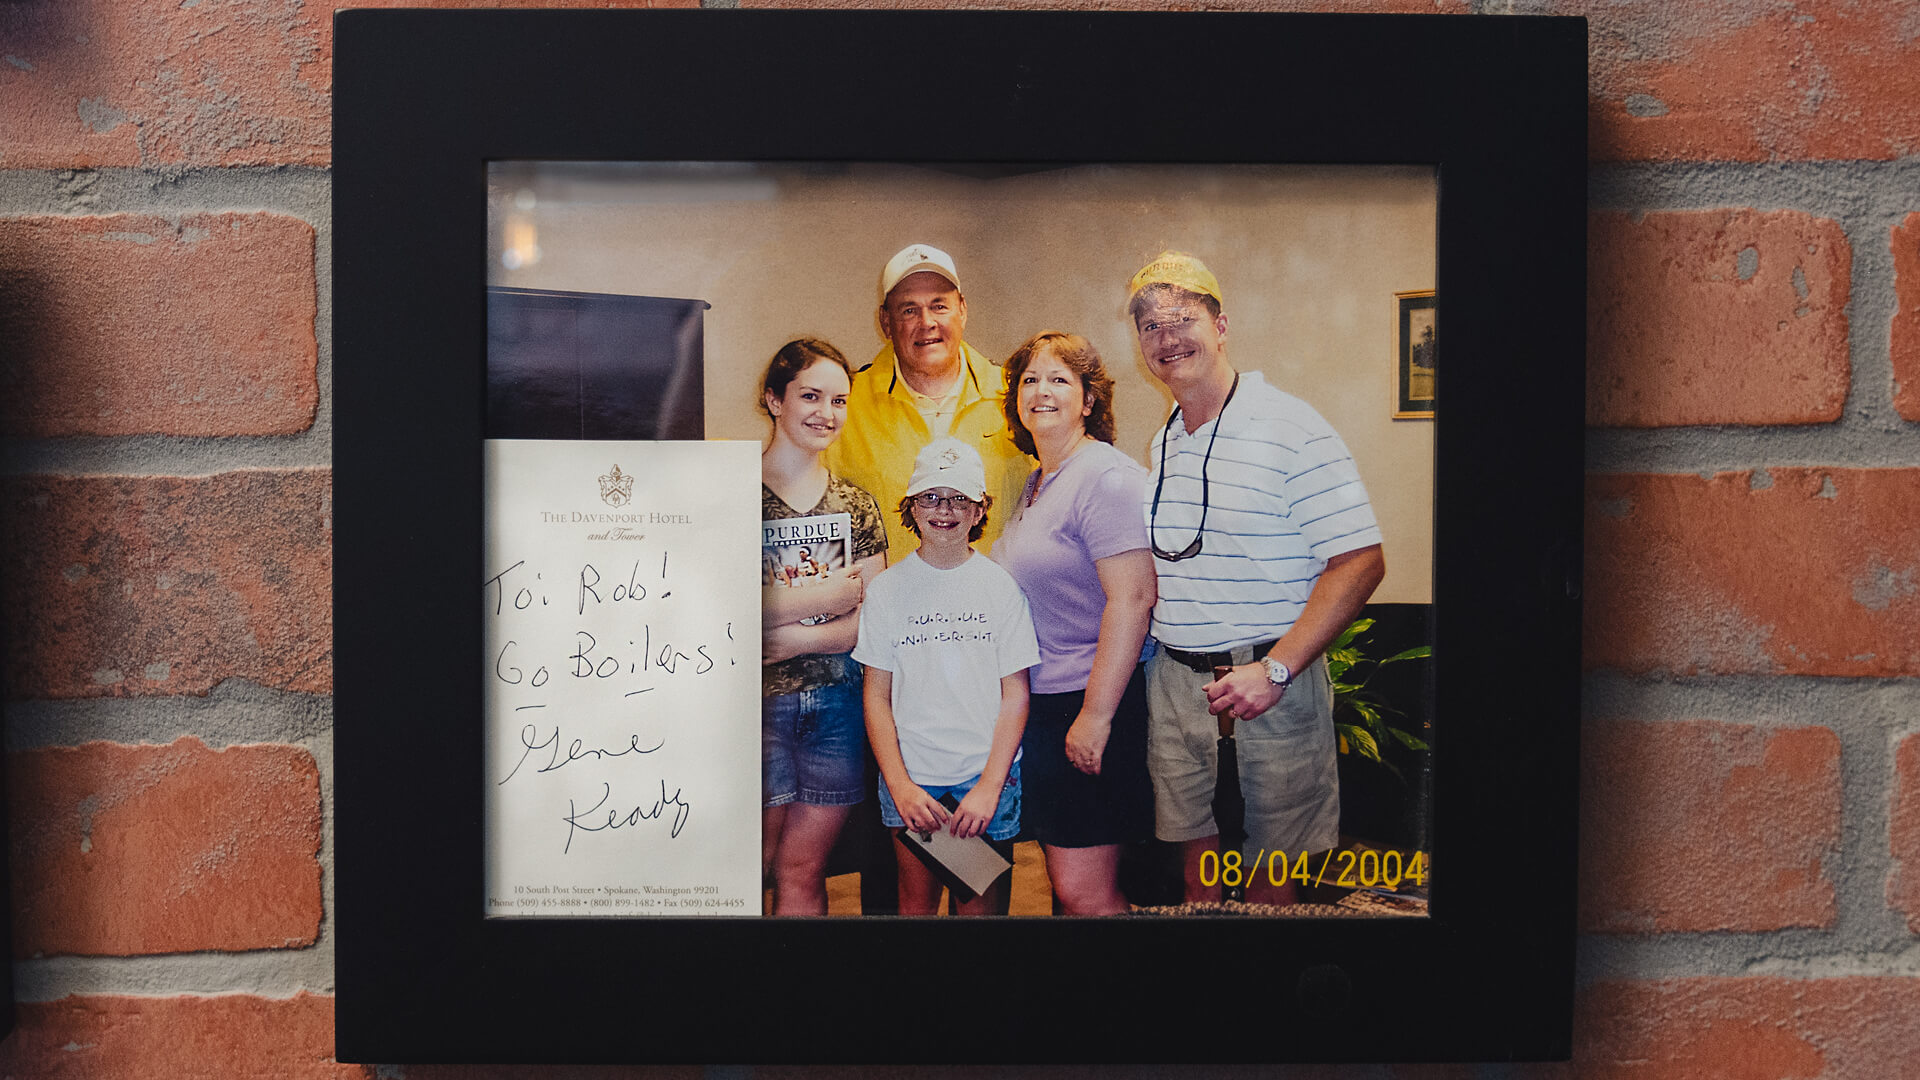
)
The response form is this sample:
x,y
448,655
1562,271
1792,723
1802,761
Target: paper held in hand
x,y
969,865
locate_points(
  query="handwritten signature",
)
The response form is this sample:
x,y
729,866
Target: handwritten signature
x,y
575,751
618,820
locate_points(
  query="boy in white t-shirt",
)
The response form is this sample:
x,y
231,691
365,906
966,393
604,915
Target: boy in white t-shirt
x,y
947,640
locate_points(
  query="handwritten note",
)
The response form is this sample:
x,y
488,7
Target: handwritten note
x,y
621,605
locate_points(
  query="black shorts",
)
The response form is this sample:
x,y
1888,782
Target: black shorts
x,y
1064,806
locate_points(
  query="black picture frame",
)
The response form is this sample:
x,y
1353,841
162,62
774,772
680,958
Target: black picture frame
x,y
424,98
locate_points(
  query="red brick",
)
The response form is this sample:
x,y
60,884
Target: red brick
x,y
80,1038
1805,80
133,585
129,850
1752,1028
132,324
1695,825
1903,885
1906,320
104,82
1786,571
1716,317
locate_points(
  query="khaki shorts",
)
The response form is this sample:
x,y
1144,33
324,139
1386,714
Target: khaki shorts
x,y
1287,760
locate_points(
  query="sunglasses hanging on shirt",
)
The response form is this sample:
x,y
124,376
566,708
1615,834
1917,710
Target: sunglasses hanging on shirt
x,y
1153,514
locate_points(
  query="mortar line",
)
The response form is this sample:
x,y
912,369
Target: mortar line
x,y
1865,857
1792,952
1607,694
277,973
320,746
302,192
1705,451
236,712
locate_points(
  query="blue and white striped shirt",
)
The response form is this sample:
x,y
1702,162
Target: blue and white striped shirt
x,y
1283,496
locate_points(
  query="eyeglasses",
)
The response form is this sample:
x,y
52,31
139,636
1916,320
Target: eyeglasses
x,y
1179,321
927,500
1192,549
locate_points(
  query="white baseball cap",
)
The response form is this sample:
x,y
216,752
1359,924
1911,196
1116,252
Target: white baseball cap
x,y
911,260
950,463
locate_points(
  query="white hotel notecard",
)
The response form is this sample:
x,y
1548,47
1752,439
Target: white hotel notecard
x,y
621,613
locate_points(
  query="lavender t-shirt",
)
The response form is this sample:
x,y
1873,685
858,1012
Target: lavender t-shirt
x,y
1089,510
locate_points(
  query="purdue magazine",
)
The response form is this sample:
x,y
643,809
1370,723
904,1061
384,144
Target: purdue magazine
x,y
796,553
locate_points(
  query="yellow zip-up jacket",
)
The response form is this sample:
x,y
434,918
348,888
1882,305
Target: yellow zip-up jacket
x,y
884,432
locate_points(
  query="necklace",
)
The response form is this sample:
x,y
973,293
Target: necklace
x,y
1153,514
1041,480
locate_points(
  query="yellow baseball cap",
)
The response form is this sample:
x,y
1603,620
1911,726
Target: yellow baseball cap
x,y
1179,269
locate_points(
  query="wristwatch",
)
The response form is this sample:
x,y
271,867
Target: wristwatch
x,y
1277,672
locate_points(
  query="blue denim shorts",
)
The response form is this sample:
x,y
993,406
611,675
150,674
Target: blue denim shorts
x,y
813,747
1006,817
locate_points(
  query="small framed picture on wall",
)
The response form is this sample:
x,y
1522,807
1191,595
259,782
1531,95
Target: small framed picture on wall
x,y
1414,379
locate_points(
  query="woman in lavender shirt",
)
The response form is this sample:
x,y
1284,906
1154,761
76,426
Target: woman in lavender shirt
x,y
1078,548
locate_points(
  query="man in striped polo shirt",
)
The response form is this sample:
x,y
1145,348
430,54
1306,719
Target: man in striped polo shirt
x,y
1266,549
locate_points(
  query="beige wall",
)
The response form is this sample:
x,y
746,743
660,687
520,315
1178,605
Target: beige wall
x,y
1308,258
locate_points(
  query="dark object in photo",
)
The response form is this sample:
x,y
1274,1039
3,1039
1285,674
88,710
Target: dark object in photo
x,y
1229,803
567,365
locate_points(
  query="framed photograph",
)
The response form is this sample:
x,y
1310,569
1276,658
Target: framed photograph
x,y
558,347
757,255
1414,366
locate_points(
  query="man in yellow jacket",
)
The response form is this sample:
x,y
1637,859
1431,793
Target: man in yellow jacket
x,y
927,382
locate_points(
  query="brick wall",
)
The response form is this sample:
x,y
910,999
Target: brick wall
x,y
1751,818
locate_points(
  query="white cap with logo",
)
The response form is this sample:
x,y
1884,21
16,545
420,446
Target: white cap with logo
x,y
950,463
911,260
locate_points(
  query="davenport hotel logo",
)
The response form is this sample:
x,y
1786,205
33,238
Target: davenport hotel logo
x,y
616,487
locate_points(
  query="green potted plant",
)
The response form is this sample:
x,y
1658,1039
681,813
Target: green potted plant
x,y
1360,714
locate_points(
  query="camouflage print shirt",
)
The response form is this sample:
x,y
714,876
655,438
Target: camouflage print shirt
x,y
869,538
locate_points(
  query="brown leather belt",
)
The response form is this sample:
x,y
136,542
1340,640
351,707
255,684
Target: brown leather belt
x,y
1204,663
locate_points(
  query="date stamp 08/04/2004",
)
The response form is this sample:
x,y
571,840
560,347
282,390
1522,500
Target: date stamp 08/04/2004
x,y
1353,870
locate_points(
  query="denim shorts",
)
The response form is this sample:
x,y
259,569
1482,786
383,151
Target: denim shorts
x,y
813,747
1006,817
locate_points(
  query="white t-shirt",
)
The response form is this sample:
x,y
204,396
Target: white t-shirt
x,y
948,637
